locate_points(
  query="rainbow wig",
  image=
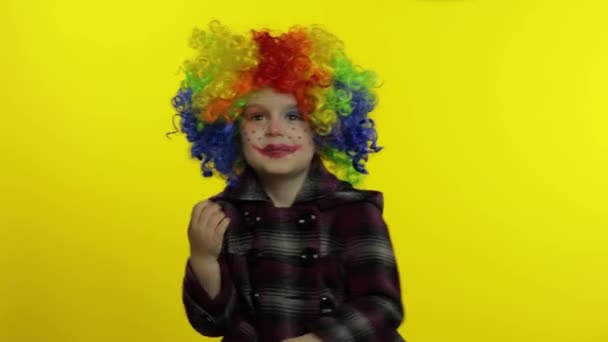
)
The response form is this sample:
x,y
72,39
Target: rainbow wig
x,y
332,94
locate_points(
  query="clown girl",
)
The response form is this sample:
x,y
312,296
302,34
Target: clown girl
x,y
289,251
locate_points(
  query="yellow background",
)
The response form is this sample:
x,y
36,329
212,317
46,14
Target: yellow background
x,y
493,116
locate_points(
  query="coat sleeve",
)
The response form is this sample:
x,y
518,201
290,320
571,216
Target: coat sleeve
x,y
372,310
225,314
209,316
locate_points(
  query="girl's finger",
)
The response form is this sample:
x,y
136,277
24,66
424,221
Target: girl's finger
x,y
207,214
197,209
215,219
221,227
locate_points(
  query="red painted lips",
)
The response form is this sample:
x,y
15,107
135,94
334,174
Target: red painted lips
x,y
277,151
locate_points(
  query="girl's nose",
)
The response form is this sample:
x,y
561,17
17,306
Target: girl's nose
x,y
274,127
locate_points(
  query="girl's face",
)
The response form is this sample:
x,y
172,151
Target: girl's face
x,y
275,140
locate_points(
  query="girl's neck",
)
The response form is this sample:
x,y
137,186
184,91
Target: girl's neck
x,y
283,190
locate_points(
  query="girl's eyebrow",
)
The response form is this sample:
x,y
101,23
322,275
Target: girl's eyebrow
x,y
254,105
261,107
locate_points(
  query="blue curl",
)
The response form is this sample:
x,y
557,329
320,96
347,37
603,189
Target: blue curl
x,y
214,144
355,131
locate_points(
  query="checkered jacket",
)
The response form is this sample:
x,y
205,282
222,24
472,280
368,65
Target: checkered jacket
x,y
324,265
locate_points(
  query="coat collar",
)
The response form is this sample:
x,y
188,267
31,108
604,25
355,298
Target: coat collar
x,y
320,185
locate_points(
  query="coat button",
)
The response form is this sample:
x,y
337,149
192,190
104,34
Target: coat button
x,y
308,256
252,220
327,305
248,220
307,219
255,297
253,256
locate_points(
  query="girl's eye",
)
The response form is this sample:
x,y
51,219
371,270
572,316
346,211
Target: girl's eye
x,y
294,116
256,116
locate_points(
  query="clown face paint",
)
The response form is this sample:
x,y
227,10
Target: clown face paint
x,y
275,139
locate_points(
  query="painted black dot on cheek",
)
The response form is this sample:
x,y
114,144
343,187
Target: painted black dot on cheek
x,y
299,137
252,132
260,138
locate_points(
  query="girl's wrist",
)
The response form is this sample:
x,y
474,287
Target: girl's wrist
x,y
203,260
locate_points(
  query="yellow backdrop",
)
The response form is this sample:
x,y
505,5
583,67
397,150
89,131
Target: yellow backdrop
x,y
493,116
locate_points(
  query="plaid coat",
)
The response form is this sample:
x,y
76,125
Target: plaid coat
x,y
325,265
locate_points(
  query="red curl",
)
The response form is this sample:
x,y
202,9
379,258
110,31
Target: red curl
x,y
284,65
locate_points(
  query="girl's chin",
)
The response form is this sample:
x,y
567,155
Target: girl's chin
x,y
279,168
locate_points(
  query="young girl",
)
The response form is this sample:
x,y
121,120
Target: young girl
x,y
287,252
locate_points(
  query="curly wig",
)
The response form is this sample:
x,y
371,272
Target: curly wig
x,y
332,94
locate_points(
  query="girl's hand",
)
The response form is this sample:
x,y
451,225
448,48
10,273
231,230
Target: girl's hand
x,y
206,230
310,337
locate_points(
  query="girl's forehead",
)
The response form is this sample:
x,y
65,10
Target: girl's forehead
x,y
269,98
